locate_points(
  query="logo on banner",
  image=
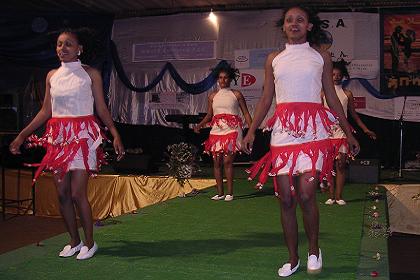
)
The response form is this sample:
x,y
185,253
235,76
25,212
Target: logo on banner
x,y
247,80
359,102
242,58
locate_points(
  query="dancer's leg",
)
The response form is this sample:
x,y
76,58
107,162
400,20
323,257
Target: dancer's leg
x,y
228,166
218,174
332,185
306,193
67,208
79,181
340,178
288,204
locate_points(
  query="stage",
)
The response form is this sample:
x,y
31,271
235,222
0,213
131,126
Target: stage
x,y
197,238
109,195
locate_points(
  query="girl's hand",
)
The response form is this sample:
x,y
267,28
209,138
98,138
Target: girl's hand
x,y
14,147
119,148
248,142
353,145
371,134
197,129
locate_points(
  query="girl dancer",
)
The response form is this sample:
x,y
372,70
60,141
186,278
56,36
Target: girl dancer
x,y
72,138
339,137
300,146
226,133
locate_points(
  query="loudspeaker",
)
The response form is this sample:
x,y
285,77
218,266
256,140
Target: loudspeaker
x,y
133,163
8,118
365,171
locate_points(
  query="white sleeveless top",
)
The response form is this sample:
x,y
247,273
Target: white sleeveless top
x,y
298,74
344,99
225,102
71,91
342,96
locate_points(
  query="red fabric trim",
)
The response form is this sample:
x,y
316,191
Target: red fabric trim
x,y
218,144
233,121
338,143
303,113
311,149
62,143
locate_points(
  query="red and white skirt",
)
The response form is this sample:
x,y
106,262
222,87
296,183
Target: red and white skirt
x,y
71,143
300,142
225,136
339,140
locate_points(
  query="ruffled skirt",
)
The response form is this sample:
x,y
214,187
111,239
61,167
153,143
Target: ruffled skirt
x,y
300,142
339,141
71,143
225,136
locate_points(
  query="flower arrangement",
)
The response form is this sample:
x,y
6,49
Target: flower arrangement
x,y
182,161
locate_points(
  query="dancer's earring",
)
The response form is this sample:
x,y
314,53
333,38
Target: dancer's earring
x,y
79,53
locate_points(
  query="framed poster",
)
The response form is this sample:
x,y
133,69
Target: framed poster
x,y
400,51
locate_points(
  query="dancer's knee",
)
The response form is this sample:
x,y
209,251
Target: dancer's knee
x,y
306,197
287,202
78,197
217,164
341,163
64,197
228,161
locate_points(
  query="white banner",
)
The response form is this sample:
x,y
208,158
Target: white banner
x,y
340,35
411,110
390,109
366,69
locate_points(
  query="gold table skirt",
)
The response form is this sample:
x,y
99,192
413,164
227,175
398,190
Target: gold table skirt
x,y
109,195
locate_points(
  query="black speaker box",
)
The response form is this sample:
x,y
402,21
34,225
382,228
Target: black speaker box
x,y
8,118
133,163
365,171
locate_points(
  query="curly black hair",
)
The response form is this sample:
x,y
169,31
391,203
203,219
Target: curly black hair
x,y
317,34
232,72
342,66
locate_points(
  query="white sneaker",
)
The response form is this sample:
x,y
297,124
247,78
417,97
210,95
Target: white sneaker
x,y
341,202
217,197
330,201
314,265
86,253
68,251
229,197
287,270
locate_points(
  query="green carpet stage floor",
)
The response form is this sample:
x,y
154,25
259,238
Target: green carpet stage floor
x,y
197,238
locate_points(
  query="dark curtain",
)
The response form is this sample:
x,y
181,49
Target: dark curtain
x,y
27,53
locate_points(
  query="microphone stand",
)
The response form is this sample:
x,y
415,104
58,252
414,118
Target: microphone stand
x,y
401,122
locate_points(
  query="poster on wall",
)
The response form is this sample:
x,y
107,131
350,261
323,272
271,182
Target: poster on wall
x,y
169,100
400,69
